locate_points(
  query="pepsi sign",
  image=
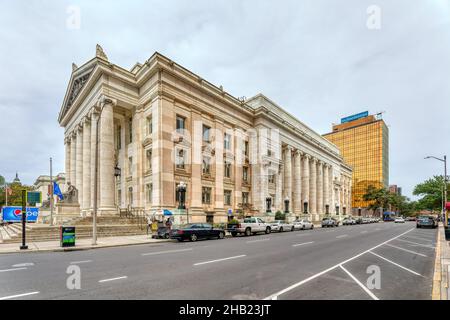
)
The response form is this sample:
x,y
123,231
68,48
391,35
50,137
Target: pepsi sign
x,y
14,214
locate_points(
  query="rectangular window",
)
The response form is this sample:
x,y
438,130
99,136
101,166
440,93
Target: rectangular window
x,y
149,160
227,197
181,124
206,195
206,168
149,188
119,137
130,130
227,141
149,125
271,178
130,196
246,148
227,170
130,166
206,133
244,197
245,174
180,159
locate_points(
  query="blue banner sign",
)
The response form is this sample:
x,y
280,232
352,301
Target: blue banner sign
x,y
14,214
355,117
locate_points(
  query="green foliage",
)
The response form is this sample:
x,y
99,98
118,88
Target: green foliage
x,y
382,198
2,181
15,199
280,215
233,221
431,194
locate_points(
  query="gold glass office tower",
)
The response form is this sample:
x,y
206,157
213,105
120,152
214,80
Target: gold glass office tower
x,y
364,142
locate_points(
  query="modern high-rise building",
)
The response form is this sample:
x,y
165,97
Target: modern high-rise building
x,y
364,143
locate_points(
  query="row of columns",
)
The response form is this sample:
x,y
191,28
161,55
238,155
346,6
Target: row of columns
x,y
80,151
308,181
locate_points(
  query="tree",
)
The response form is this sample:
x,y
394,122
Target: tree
x,y
280,215
15,199
430,192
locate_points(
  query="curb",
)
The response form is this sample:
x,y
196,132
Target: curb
x,y
83,248
437,277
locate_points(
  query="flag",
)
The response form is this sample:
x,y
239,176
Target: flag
x,y
57,191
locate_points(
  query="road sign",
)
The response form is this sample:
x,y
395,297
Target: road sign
x,y
34,197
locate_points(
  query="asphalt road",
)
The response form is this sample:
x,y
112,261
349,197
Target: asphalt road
x,y
374,261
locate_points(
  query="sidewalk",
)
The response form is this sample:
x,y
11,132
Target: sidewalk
x,y
441,267
81,244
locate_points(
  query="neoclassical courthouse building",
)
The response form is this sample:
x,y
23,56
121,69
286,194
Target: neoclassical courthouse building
x,y
163,125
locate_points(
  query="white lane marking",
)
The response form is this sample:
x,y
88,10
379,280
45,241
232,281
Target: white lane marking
x,y
418,238
374,297
410,251
253,241
112,279
302,244
295,285
417,244
396,264
167,251
342,236
218,260
80,262
365,231
27,264
19,295
15,269
302,235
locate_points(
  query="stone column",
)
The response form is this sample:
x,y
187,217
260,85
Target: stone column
x,y
85,205
106,158
288,174
219,166
197,158
313,186
73,159
79,164
240,159
67,146
326,191
305,181
320,188
93,145
297,201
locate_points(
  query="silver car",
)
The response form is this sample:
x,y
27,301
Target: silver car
x,y
281,225
303,224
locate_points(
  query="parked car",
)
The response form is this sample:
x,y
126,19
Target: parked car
x,y
281,225
399,220
329,222
248,227
426,222
411,219
303,224
348,222
195,231
163,233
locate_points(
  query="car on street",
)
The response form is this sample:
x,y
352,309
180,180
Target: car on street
x,y
248,227
329,222
411,219
399,220
196,231
281,225
426,222
348,222
303,224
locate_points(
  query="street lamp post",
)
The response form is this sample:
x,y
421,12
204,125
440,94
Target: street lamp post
x,y
268,204
444,160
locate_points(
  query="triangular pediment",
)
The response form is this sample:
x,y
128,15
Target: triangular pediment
x,y
77,82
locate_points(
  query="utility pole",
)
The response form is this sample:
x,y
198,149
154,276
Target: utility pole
x,y
51,193
444,160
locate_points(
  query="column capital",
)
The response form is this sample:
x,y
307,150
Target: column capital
x,y
307,156
299,153
106,100
314,159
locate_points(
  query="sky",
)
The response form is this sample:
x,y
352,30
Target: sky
x,y
318,59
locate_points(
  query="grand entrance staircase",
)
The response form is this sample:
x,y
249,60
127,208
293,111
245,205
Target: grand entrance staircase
x,y
107,226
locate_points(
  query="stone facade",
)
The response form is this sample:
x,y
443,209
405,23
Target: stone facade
x,y
161,125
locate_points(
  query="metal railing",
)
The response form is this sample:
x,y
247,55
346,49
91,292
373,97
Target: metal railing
x,y
136,215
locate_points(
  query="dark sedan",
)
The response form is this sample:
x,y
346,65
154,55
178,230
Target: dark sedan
x,y
195,231
426,221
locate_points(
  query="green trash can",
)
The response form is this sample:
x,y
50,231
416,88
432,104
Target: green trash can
x,y
67,236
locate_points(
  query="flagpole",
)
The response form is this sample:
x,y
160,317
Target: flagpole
x,y
6,194
51,193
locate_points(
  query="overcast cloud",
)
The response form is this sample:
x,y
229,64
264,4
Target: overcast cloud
x,y
316,58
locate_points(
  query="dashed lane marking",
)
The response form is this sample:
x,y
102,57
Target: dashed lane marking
x,y
396,264
374,297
